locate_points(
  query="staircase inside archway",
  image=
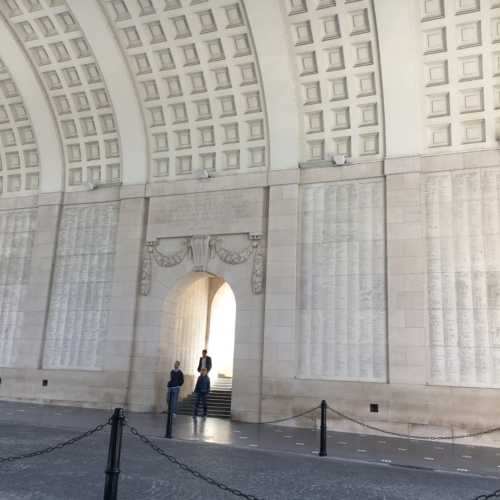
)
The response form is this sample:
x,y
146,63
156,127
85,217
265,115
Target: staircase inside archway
x,y
219,400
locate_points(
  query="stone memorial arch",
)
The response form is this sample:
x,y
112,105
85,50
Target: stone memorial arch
x,y
148,145
177,262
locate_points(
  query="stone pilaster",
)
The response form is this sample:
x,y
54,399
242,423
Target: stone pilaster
x,y
118,346
279,360
406,277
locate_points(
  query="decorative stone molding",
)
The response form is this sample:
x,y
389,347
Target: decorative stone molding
x,y
167,260
231,256
146,270
163,260
259,269
200,252
202,249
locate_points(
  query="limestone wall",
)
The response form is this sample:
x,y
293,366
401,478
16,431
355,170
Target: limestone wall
x,y
462,236
378,289
336,162
341,288
432,242
79,308
188,323
16,242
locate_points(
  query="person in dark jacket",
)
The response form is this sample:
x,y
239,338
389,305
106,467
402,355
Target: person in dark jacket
x,y
205,362
202,391
174,386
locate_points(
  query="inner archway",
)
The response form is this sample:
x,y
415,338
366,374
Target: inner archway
x,y
221,331
200,313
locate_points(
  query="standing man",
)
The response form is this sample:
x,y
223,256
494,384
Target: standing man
x,y
205,362
174,386
202,391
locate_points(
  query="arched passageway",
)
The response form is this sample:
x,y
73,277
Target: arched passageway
x,y
221,331
199,313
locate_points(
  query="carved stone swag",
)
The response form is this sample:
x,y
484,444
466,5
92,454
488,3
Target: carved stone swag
x,y
201,249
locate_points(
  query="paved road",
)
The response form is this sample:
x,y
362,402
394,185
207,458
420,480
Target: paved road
x,y
76,473
443,456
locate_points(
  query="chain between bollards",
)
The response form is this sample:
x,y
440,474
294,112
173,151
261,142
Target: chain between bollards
x,y
114,453
322,446
168,430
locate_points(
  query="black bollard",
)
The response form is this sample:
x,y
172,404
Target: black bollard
x,y
114,453
322,444
168,430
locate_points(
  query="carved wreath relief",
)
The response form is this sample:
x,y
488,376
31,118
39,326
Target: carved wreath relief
x,y
201,249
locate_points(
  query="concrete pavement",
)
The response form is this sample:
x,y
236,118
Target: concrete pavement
x,y
270,462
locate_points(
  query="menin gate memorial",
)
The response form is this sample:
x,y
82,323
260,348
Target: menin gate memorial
x,y
334,162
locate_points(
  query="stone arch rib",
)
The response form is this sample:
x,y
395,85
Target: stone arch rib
x,y
68,70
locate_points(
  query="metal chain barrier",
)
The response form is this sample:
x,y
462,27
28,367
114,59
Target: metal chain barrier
x,y
279,420
407,436
187,468
495,494
57,446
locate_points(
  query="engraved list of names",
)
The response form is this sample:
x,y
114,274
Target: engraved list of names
x,y
463,276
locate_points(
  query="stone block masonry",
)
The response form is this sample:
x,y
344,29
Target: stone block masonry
x,y
82,283
16,243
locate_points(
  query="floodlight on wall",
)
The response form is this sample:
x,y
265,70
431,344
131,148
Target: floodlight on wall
x,y
91,186
205,174
340,160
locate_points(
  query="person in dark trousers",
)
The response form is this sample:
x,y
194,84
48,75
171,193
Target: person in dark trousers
x,y
202,391
174,386
205,362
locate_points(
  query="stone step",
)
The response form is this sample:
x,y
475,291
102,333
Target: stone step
x,y
221,396
221,406
218,404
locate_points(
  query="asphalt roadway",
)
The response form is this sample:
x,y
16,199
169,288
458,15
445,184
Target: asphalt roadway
x,y
77,472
